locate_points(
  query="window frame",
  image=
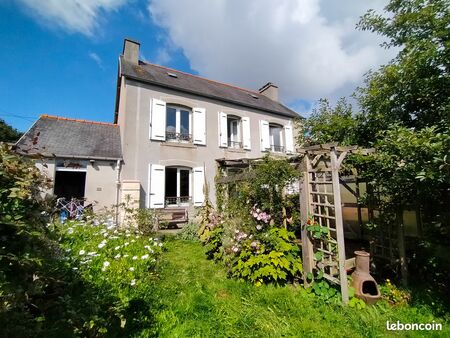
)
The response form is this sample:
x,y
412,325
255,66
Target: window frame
x,y
237,142
178,136
178,186
282,146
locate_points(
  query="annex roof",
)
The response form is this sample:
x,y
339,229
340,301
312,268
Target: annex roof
x,y
175,79
53,136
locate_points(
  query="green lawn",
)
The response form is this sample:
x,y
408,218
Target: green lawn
x,y
194,298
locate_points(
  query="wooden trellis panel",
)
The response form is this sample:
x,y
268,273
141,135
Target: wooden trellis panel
x,y
321,198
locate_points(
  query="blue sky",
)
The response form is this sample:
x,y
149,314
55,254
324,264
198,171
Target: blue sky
x,y
62,59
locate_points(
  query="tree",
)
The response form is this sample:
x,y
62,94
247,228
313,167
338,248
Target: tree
x,y
8,133
413,90
329,124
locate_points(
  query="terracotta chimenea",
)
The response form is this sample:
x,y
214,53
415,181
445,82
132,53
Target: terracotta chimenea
x,y
366,288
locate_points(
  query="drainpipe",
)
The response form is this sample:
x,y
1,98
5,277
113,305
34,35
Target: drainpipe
x,y
118,167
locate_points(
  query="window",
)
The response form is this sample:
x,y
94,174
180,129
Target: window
x,y
178,124
234,132
276,138
177,186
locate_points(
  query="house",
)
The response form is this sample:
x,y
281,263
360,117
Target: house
x,y
169,129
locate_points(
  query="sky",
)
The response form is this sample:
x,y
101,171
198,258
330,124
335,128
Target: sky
x,y
60,57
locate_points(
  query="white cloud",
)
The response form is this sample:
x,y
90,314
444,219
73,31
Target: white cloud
x,y
97,59
80,16
310,48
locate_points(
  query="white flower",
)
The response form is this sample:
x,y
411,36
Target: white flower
x,y
145,256
132,241
70,231
127,235
105,234
117,247
131,269
75,268
133,282
117,256
101,245
134,258
155,244
82,252
150,239
105,263
92,253
147,247
160,244
126,243
137,236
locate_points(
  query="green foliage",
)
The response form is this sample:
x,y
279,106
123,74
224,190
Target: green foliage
x,y
120,263
329,124
189,232
414,89
20,187
272,259
394,295
8,133
265,188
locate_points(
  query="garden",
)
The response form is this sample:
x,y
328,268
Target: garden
x,y
238,268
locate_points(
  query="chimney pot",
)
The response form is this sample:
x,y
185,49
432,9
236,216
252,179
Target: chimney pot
x,y
131,51
270,90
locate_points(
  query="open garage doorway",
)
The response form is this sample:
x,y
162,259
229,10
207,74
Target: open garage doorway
x,y
70,184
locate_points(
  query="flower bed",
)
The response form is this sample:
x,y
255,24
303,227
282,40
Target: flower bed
x,y
120,263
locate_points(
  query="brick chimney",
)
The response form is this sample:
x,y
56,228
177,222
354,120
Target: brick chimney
x,y
269,90
131,51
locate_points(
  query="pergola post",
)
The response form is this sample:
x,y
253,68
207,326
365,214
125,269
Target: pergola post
x,y
305,202
335,165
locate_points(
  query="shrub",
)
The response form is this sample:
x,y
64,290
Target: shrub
x,y
189,232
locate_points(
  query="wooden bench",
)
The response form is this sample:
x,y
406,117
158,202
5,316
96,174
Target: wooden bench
x,y
172,217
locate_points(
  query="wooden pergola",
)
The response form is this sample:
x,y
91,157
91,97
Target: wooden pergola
x,y
320,197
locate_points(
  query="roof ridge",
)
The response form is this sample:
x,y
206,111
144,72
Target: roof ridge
x,y
77,120
203,78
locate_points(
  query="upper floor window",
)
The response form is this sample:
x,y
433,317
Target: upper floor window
x,y
234,132
178,124
276,138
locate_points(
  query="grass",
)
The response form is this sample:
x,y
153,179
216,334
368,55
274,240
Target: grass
x,y
194,298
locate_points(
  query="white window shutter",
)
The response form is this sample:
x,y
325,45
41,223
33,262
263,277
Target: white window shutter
x,y
223,130
158,120
157,186
289,139
265,135
199,181
199,132
246,138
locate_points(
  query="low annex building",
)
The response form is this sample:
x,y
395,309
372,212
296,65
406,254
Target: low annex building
x,y
169,130
82,158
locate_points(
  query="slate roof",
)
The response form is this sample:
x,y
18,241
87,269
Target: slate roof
x,y
63,137
158,75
